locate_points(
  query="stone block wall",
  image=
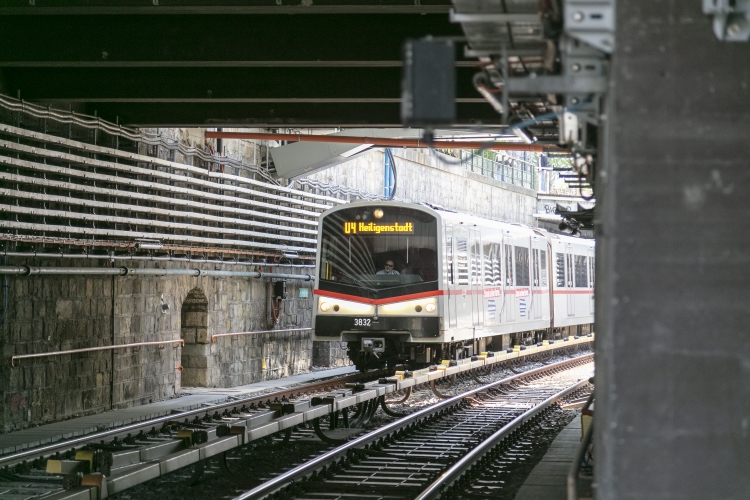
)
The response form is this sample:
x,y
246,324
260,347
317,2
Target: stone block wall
x,y
332,354
54,313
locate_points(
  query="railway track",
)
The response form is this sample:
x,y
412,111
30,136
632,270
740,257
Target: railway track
x,y
421,455
106,463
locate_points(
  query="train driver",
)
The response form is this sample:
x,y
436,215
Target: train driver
x,y
388,268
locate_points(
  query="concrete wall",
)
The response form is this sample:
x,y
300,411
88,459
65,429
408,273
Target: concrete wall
x,y
71,312
672,417
422,177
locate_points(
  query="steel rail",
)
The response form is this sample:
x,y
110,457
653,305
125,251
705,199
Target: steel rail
x,y
384,142
84,188
154,224
437,488
72,118
72,159
17,357
308,467
38,136
123,430
258,332
136,183
87,231
83,202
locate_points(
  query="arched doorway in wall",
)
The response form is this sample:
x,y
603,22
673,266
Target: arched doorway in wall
x,y
197,349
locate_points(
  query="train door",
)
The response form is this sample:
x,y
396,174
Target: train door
x,y
510,282
591,279
463,276
477,287
536,277
570,296
450,270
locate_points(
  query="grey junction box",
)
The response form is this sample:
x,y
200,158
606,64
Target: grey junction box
x,y
429,83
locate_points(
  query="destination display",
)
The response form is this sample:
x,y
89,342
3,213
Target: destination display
x,y
373,228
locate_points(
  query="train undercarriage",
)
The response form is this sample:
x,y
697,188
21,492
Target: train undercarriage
x,y
388,351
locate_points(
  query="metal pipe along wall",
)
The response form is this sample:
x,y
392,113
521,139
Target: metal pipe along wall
x,y
130,271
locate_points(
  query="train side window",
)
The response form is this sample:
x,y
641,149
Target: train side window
x,y
449,259
535,267
560,281
509,265
581,271
488,276
462,261
522,266
543,266
476,262
492,271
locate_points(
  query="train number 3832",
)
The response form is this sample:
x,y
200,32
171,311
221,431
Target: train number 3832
x,y
362,321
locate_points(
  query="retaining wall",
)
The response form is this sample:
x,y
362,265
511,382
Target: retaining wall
x,y
71,312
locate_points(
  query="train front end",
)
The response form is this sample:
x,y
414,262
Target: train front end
x,y
377,283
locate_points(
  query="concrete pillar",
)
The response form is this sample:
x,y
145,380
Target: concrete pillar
x,y
672,417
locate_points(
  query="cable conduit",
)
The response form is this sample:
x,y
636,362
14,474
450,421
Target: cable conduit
x,y
134,271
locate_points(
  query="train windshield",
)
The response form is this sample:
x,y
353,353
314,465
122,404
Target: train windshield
x,y
379,252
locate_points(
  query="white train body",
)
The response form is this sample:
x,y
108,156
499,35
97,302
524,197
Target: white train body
x,y
463,282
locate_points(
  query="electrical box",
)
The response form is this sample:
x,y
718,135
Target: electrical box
x,y
428,93
279,289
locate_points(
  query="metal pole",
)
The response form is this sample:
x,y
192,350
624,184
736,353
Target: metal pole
x,y
142,271
385,142
237,334
12,359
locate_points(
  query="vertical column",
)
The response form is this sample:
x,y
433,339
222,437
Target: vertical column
x,y
673,291
197,360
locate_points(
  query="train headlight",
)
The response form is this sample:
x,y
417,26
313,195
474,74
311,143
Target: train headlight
x,y
378,213
325,306
418,308
429,308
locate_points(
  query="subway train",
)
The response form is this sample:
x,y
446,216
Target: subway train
x,y
417,284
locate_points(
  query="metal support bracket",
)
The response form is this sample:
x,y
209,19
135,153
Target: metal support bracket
x,y
592,22
731,19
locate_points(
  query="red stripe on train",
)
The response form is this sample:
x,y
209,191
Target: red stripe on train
x,y
377,302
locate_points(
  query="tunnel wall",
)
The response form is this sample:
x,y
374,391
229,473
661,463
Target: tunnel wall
x,y
71,312
422,177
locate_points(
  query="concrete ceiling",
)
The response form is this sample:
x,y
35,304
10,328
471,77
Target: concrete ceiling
x,y
223,63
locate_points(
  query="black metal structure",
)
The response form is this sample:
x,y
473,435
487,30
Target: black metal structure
x,y
228,62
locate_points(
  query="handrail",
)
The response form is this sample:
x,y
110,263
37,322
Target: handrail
x,y
572,479
12,359
258,332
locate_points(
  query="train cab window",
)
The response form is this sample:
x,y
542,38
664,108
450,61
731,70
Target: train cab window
x,y
355,247
543,266
522,266
581,271
560,275
509,281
